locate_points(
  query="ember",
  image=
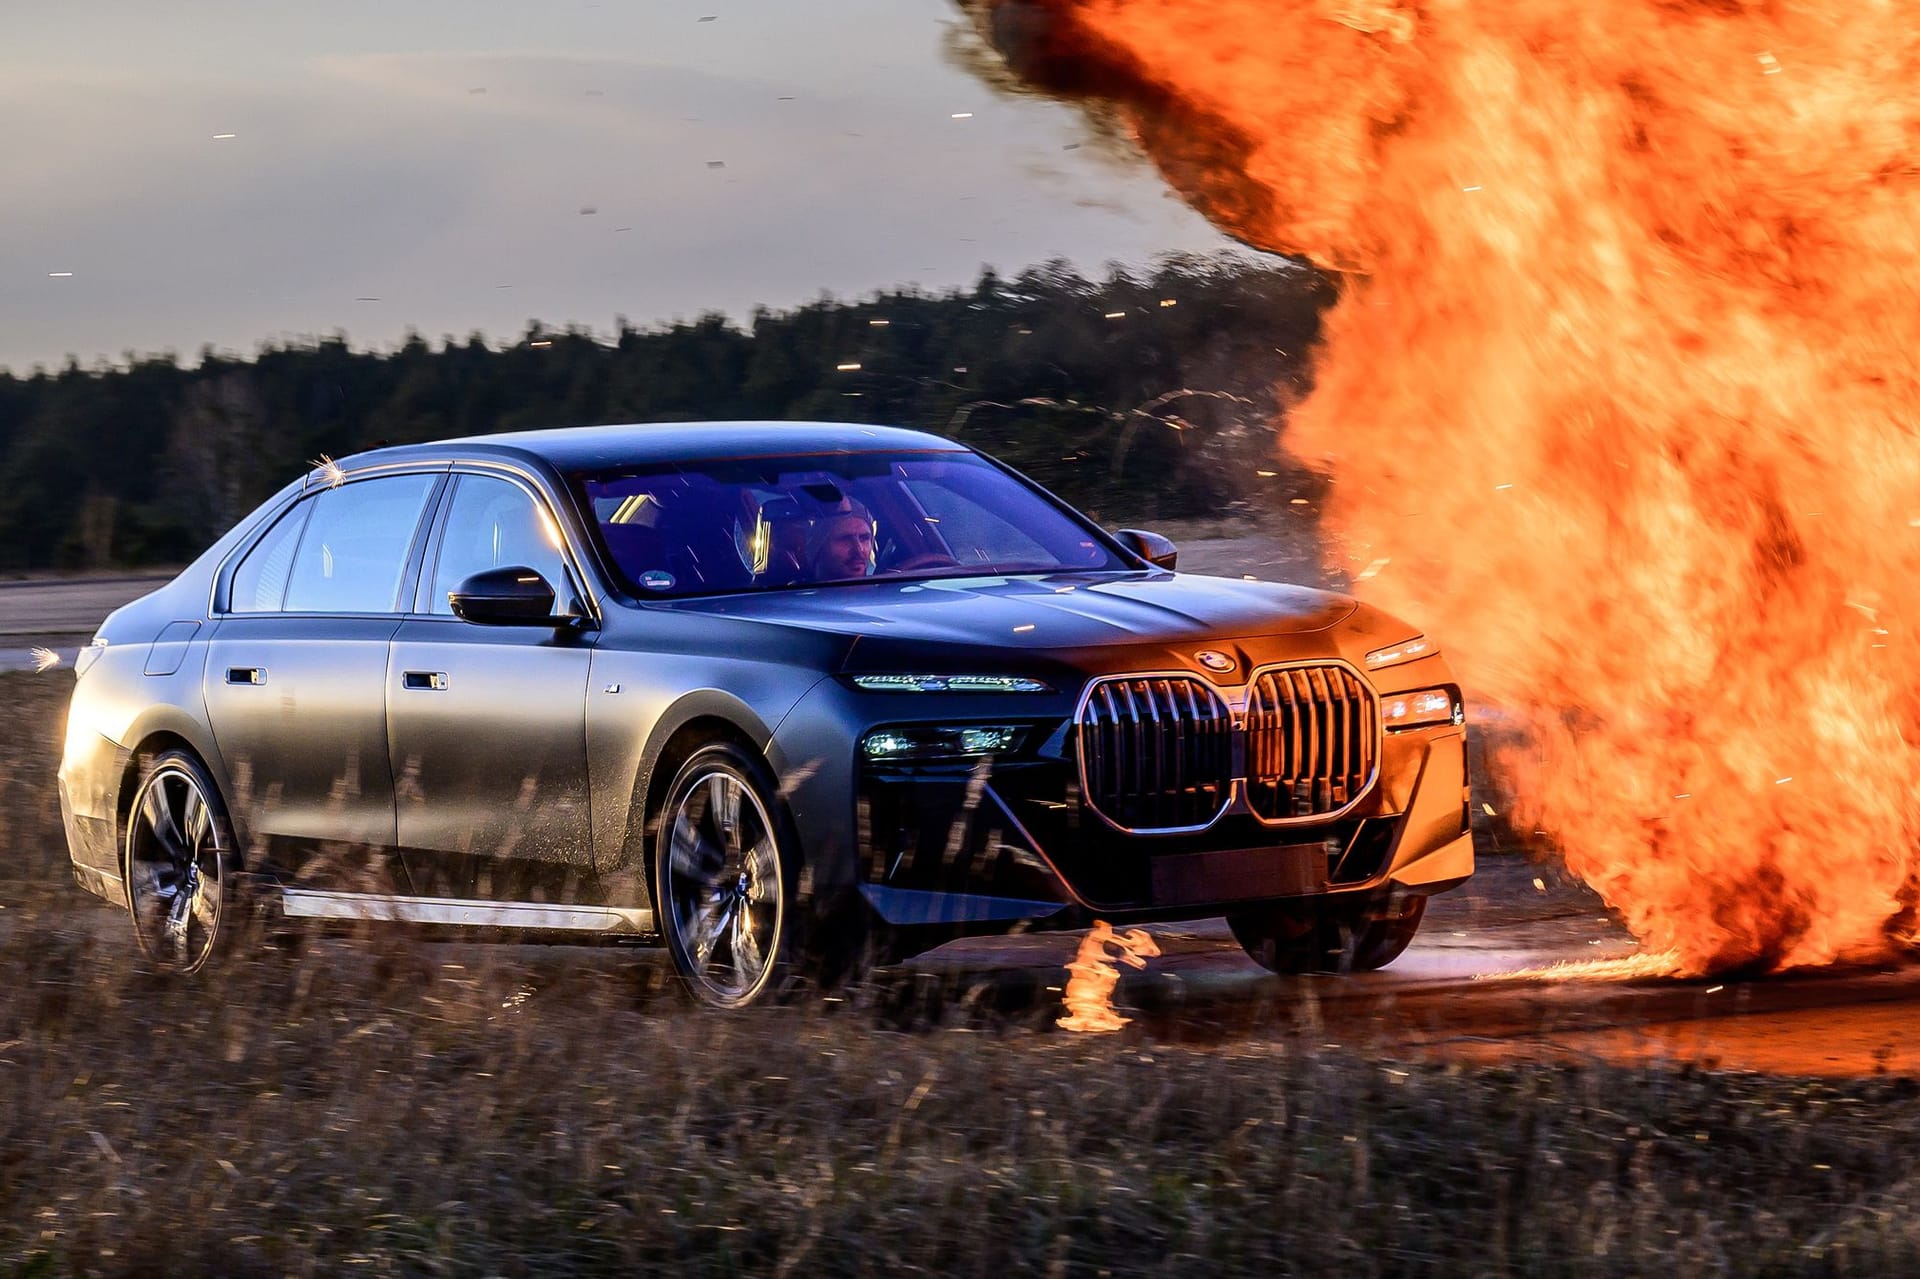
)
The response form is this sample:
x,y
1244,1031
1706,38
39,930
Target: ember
x,y
1621,391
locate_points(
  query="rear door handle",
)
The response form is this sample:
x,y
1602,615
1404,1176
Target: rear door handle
x,y
246,674
434,680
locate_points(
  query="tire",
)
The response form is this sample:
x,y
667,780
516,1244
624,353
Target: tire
x,y
177,859
1346,940
725,870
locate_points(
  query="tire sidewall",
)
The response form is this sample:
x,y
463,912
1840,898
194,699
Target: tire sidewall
x,y
753,772
1327,940
231,912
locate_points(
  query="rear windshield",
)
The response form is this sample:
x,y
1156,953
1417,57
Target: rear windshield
x,y
771,523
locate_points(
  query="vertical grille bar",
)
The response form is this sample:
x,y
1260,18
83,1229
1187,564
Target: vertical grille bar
x,y
1337,731
1155,752
1310,747
1358,734
1291,773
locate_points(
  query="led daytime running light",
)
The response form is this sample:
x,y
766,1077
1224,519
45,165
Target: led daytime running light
x,y
1406,651
951,684
910,742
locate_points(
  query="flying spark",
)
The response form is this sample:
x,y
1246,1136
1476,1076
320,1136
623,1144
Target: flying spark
x,y
44,659
330,471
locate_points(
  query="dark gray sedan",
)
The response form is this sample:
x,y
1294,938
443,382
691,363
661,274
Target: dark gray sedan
x,y
787,698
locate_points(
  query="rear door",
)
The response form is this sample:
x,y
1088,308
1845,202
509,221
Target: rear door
x,y
488,723
296,678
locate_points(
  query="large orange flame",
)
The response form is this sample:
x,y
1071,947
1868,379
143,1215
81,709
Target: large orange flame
x,y
1623,393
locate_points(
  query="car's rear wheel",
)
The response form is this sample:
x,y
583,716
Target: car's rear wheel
x,y
177,858
725,869
1340,939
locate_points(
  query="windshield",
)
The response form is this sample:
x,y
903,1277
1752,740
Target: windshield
x,y
768,523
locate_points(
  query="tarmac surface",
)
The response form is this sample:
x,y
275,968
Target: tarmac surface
x,y
61,613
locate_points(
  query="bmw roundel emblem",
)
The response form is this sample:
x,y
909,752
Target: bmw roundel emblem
x,y
1214,660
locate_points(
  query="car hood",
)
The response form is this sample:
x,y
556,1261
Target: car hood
x,y
1049,612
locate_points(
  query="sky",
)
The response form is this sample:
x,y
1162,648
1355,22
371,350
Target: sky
x,y
452,166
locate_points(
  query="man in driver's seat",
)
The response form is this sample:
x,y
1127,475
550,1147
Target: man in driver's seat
x,y
841,545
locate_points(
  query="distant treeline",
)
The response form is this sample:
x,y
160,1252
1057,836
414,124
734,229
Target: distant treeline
x,y
1139,397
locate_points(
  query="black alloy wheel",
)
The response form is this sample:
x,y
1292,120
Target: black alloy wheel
x,y
179,847
725,871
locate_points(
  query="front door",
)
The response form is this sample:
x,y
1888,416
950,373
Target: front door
x,y
296,679
488,723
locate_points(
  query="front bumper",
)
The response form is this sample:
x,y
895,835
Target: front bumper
x,y
1002,843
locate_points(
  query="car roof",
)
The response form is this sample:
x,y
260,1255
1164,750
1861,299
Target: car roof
x,y
577,448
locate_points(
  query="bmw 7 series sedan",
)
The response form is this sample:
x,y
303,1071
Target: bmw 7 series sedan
x,y
784,698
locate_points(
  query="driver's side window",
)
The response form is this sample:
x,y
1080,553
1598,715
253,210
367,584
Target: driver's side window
x,y
494,523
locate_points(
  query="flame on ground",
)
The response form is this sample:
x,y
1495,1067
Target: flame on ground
x,y
1622,398
1624,968
1089,994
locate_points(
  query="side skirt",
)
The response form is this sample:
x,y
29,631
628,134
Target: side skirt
x,y
307,903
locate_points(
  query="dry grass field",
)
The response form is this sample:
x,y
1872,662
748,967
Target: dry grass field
x,y
431,1108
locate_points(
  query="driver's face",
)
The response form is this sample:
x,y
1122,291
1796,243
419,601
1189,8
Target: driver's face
x,y
848,551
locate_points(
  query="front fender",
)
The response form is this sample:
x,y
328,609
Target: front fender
x,y
634,711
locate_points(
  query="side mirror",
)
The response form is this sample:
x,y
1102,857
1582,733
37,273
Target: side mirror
x,y
1151,547
513,596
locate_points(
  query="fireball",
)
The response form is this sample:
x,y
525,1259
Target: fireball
x,y
1621,390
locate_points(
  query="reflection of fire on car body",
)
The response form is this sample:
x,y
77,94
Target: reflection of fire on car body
x,y
573,682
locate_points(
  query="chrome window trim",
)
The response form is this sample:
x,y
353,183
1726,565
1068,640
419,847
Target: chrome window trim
x,y
222,573
312,484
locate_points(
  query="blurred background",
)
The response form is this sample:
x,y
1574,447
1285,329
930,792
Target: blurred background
x,y
242,236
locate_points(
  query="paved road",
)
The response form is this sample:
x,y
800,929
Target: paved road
x,y
60,614
67,606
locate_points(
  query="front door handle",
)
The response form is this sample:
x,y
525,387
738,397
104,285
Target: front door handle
x,y
246,674
433,680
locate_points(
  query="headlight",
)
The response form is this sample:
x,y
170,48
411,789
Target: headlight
x,y
951,684
939,741
1406,651
1420,709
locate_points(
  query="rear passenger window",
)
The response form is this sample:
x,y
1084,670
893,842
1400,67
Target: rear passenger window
x,y
354,550
260,583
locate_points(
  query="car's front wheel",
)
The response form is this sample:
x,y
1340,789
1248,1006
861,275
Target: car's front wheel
x,y
1327,939
179,847
725,868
